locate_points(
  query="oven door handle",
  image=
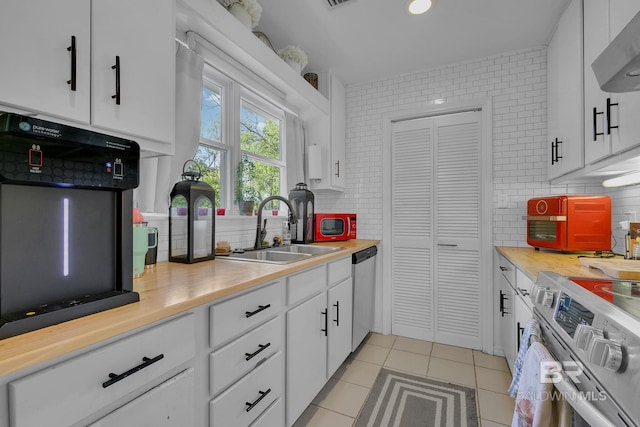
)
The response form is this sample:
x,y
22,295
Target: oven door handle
x,y
553,218
582,406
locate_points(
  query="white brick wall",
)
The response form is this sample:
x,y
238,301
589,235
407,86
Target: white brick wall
x,y
516,81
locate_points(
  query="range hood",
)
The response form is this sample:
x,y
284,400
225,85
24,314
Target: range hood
x,y
617,69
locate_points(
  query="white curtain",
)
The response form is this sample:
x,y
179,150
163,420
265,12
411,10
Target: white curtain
x,y
159,174
295,138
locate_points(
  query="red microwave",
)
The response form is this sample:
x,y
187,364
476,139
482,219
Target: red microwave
x,y
334,226
569,223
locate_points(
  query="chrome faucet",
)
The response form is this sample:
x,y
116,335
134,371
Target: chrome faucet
x,y
262,232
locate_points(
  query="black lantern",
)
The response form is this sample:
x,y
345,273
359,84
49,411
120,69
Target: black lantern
x,y
191,219
302,201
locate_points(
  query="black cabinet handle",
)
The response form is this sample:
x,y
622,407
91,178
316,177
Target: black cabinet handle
x,y
337,319
261,347
520,331
596,134
503,297
609,105
555,156
73,51
524,292
117,68
251,405
326,322
114,378
338,168
260,308
502,268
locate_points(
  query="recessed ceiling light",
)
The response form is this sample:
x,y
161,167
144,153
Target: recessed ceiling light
x,y
633,73
418,7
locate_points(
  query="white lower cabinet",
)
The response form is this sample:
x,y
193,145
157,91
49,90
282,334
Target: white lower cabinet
x,y
74,390
318,335
246,366
243,402
340,324
168,405
306,354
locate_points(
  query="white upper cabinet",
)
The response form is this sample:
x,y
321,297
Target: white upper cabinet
x,y
143,43
330,165
610,121
36,39
53,46
564,94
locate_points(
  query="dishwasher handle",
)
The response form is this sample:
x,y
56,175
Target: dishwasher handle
x,y
364,255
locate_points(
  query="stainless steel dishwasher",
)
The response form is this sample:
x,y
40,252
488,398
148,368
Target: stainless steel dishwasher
x,y
364,281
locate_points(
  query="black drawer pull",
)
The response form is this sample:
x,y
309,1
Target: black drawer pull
x,y
596,134
260,308
326,322
337,319
73,51
117,68
251,405
609,105
503,297
114,378
261,347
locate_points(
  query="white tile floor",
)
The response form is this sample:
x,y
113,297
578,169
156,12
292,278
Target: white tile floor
x,y
341,400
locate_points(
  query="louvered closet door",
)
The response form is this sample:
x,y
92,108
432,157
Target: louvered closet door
x,y
412,211
435,227
457,230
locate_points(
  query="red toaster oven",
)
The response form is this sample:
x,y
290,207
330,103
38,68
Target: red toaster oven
x,y
569,223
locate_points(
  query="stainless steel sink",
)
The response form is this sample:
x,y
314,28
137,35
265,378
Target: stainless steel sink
x,y
306,249
282,254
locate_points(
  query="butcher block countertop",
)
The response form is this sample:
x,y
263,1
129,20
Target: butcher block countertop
x,y
166,290
531,262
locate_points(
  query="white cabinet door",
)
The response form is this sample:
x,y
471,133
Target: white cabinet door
x,y
620,13
596,39
522,315
506,320
340,324
306,354
564,94
611,123
171,404
36,65
142,36
338,117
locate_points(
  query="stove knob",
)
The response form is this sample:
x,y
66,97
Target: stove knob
x,y
585,335
547,299
606,354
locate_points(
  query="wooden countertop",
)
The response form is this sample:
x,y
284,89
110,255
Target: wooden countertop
x,y
531,262
167,290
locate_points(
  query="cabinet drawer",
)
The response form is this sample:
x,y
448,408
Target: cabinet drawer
x,y
305,284
339,270
507,269
169,404
523,283
237,315
66,393
274,416
230,362
260,388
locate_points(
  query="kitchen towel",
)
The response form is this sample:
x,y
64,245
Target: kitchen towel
x,y
531,328
534,403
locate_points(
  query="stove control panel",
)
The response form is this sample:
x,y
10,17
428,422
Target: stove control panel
x,y
599,350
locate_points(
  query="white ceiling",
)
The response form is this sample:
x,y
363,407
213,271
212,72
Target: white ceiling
x,y
364,40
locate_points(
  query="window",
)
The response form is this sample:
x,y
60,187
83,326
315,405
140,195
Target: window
x,y
239,129
212,153
260,144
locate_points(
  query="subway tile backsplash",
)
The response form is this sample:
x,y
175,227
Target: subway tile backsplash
x,y
517,84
